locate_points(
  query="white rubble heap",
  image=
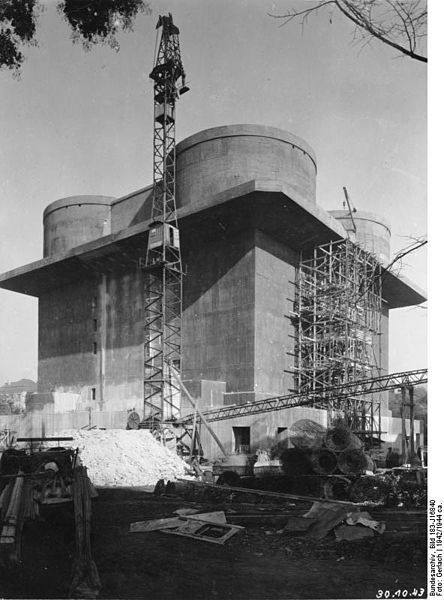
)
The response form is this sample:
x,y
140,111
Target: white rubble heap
x,y
118,457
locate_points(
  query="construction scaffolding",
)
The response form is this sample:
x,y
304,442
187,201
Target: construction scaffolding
x,y
336,318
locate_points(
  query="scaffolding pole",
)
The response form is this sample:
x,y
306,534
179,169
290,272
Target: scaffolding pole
x,y
336,316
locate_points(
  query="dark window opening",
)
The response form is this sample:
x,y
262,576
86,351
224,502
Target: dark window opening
x,y
95,347
93,393
241,440
94,302
95,324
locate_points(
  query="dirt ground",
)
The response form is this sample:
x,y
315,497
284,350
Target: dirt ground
x,y
261,562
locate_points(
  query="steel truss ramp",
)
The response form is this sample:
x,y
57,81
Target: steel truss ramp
x,y
334,394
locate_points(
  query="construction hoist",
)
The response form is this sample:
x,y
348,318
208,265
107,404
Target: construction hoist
x,y
163,265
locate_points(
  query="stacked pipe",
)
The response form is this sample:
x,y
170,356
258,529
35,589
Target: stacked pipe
x,y
324,451
16,505
11,501
349,451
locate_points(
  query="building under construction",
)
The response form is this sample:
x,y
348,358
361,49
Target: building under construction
x,y
279,296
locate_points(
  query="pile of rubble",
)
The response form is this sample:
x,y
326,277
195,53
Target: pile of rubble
x,y
116,457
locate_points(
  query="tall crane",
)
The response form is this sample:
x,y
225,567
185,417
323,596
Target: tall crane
x,y
163,264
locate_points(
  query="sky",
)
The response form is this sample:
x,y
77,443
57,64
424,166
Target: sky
x,y
80,122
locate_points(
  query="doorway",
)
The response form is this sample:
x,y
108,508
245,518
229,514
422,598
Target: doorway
x,y
241,440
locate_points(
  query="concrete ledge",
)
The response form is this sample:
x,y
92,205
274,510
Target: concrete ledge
x,y
271,206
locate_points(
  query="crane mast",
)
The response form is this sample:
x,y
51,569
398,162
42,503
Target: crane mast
x,y
163,264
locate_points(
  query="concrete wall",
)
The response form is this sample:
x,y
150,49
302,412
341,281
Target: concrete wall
x,y
235,329
73,221
392,428
274,274
235,305
67,362
132,209
206,394
122,369
46,422
220,158
263,428
91,343
218,311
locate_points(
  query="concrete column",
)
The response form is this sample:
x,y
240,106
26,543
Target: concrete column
x,y
103,295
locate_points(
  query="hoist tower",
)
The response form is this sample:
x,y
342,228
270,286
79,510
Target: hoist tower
x,y
163,266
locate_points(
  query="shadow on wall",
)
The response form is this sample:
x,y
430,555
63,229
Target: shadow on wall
x,y
145,210
206,265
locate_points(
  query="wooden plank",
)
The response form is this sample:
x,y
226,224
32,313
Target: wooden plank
x,y
85,577
45,439
230,488
200,530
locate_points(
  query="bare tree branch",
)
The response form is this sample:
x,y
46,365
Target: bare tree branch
x,y
304,13
396,23
415,246
395,266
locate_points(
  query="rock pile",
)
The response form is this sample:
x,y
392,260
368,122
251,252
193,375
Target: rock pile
x,y
116,457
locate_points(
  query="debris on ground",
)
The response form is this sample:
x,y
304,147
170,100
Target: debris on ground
x,y
288,516
406,488
299,525
326,516
154,524
186,511
206,526
363,518
175,567
322,517
351,534
214,532
117,457
176,522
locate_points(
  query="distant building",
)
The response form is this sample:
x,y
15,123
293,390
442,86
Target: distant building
x,y
13,395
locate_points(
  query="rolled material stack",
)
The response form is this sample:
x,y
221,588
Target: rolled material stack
x,y
339,439
307,435
317,450
349,451
324,461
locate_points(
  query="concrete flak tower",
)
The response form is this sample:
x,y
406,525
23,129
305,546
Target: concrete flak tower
x,y
247,214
